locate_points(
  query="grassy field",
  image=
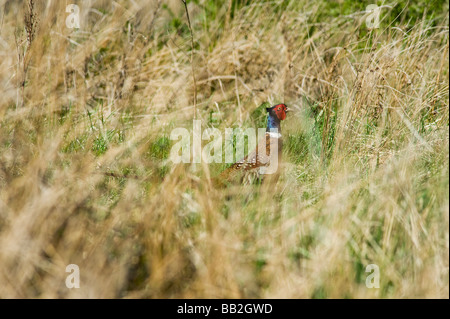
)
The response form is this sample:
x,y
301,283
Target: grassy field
x,y
85,176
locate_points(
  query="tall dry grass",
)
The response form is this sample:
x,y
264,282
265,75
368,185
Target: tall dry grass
x,y
85,178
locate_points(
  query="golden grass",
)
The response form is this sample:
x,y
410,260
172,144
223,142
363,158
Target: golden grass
x,y
364,178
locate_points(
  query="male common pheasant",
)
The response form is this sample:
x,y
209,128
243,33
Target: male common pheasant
x,y
255,164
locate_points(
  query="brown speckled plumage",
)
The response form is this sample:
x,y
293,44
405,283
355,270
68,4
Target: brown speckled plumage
x,y
249,168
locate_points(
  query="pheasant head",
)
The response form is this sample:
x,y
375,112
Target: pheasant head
x,y
277,114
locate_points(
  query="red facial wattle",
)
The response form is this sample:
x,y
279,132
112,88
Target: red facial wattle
x,y
280,111
281,115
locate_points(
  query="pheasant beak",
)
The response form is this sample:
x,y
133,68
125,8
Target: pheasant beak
x,y
287,110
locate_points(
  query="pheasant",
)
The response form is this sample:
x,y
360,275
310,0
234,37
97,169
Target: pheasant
x,y
255,164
